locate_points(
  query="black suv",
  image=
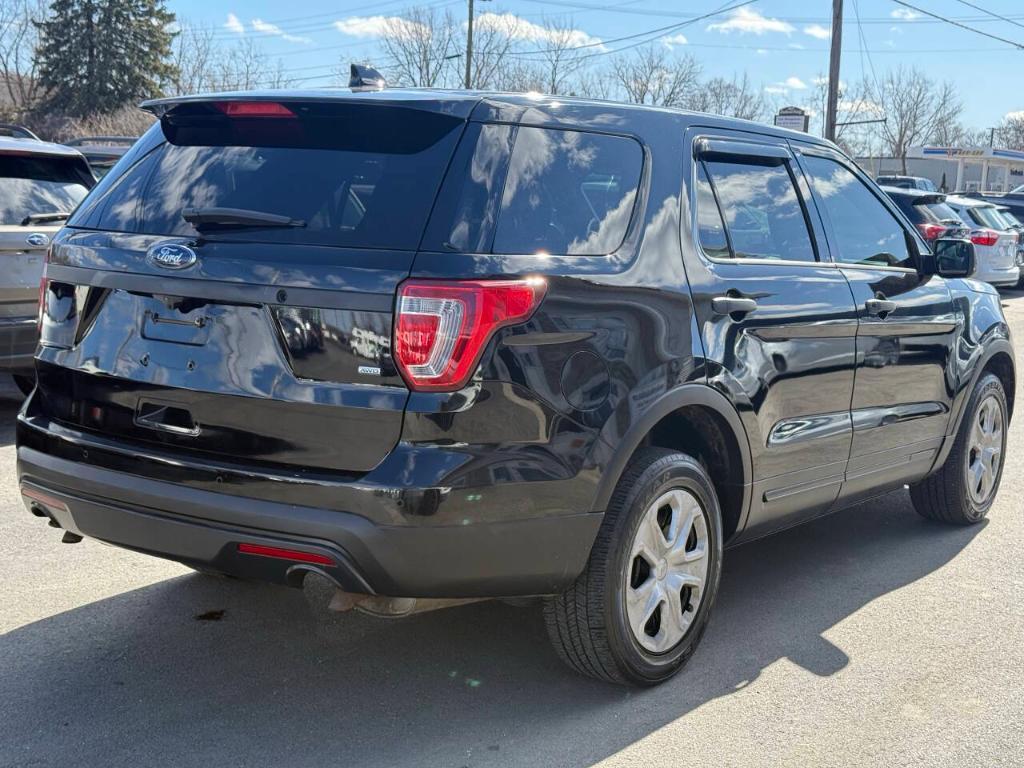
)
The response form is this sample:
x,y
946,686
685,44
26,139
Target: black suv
x,y
440,346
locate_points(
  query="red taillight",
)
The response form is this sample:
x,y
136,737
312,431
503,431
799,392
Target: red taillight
x,y
931,231
442,328
253,109
285,554
984,237
42,291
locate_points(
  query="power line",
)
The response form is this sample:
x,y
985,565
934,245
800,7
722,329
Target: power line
x,y
958,24
990,13
618,8
650,34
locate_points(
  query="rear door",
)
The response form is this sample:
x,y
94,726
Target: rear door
x,y
908,325
777,320
182,314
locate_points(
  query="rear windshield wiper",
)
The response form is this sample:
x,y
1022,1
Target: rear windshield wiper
x,y
42,218
236,217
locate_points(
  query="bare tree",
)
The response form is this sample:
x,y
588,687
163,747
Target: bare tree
x,y
1010,133
733,98
19,38
914,106
652,75
422,46
493,40
242,67
195,59
560,56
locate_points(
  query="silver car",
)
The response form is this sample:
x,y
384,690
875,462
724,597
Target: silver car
x,y
995,245
40,185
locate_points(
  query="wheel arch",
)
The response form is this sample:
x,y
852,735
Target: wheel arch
x,y
998,359
691,405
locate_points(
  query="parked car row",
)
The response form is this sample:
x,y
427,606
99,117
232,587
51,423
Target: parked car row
x,y
994,230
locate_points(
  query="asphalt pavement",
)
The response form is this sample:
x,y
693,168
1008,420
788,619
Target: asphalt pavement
x,y
870,637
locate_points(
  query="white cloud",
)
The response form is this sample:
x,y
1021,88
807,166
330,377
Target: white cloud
x,y
896,30
234,25
762,51
521,29
791,83
817,31
822,80
679,39
1016,115
796,46
267,28
376,26
744,20
903,13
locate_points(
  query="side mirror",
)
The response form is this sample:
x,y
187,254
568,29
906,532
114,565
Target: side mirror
x,y
954,258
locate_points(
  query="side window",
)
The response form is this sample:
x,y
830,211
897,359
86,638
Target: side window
x,y
758,202
117,210
865,230
710,227
567,192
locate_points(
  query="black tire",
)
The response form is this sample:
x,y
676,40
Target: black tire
x,y
25,383
587,623
945,495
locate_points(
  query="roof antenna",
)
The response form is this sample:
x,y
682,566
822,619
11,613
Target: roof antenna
x,y
364,78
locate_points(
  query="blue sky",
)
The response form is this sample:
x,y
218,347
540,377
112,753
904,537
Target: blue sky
x,y
782,45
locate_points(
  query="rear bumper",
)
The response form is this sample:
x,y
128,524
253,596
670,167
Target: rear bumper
x,y
17,344
204,528
1001,277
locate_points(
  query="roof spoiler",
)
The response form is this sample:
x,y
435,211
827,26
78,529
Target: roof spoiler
x,y
364,78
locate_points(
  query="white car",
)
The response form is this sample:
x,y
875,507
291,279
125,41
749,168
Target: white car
x,y
995,246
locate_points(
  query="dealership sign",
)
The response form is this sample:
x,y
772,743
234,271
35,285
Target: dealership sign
x,y
793,118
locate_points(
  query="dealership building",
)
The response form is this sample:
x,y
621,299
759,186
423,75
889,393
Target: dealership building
x,y
963,169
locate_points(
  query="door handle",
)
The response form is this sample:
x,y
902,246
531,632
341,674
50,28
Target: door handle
x,y
732,305
880,307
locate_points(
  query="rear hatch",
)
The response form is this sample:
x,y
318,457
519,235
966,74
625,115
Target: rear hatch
x,y
227,292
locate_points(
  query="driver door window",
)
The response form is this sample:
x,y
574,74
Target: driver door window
x,y
864,230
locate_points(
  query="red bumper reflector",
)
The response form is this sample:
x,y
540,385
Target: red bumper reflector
x,y
285,554
43,498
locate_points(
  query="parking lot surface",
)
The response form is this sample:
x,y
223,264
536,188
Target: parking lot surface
x,y
870,637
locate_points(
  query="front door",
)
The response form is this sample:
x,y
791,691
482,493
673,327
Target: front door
x,y
776,316
902,393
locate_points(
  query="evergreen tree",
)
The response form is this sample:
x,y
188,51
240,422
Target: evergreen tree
x,y
98,55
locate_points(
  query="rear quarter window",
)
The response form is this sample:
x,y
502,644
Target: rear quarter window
x,y
538,190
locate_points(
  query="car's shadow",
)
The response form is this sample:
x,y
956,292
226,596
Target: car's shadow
x,y
159,676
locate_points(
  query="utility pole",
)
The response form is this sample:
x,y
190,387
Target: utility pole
x,y
469,49
833,69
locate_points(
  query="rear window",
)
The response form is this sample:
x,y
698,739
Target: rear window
x,y
38,184
354,175
537,190
987,216
941,212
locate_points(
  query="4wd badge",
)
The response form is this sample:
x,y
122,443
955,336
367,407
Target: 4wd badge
x,y
171,256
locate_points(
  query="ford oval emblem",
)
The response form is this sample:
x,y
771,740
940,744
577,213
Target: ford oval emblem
x,y
37,240
171,256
